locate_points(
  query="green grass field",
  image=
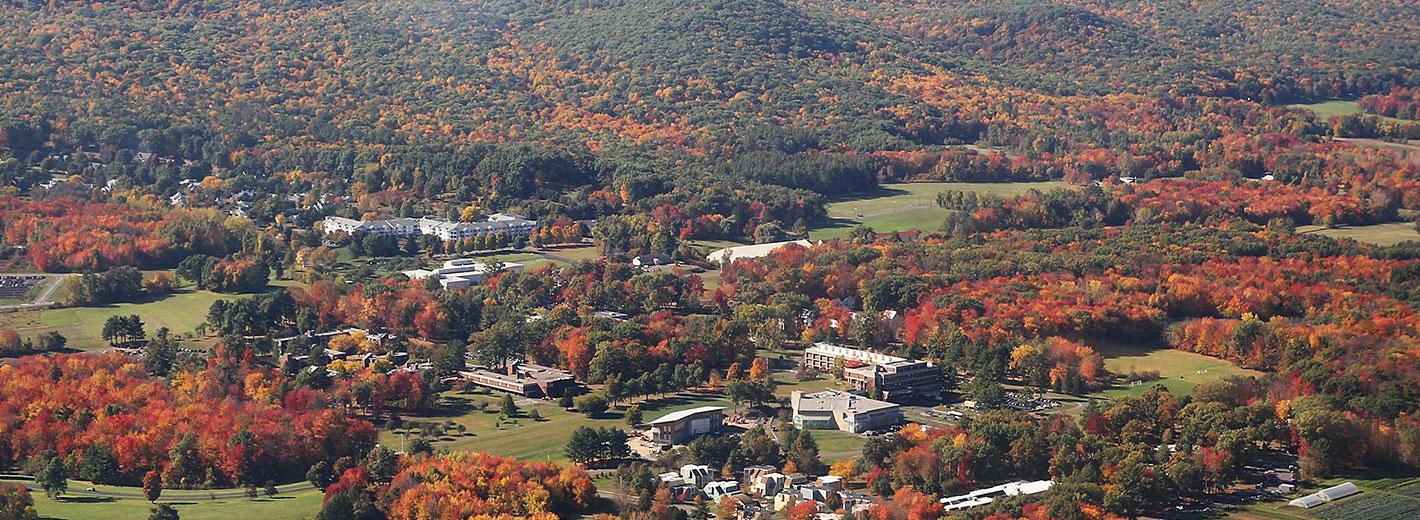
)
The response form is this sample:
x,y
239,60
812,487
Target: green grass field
x,y
904,206
526,438
1179,371
191,505
1388,234
181,312
1325,109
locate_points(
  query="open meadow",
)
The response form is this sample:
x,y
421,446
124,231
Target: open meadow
x,y
1179,371
1387,234
181,312
904,206
1325,109
542,438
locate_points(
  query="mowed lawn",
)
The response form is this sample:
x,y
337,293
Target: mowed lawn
x,y
1387,234
292,505
525,438
904,206
181,313
1179,371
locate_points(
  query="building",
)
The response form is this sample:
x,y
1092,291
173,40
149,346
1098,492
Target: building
x,y
717,489
769,484
650,260
696,474
1326,495
730,254
460,273
679,427
896,378
987,495
525,379
512,224
834,410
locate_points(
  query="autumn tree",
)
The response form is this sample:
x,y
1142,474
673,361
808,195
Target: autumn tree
x,y
152,485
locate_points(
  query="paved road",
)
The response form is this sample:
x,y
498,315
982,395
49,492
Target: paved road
x,y
48,286
77,488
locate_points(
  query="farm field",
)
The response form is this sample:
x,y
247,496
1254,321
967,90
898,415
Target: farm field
x,y
290,505
1380,499
1179,371
181,312
1410,149
903,206
1388,234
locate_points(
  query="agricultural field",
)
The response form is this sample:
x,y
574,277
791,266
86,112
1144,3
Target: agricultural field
x,y
1395,498
1410,149
181,312
1179,371
904,206
1387,234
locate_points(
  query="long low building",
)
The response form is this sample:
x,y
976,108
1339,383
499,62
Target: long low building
x,y
679,427
525,379
896,378
834,410
509,223
1326,495
460,273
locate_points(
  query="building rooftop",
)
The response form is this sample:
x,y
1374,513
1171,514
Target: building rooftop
x,y
676,416
731,254
836,401
848,353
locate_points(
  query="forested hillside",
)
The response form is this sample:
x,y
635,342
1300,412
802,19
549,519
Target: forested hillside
x,y
208,78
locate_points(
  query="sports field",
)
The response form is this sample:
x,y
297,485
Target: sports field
x,y
1179,371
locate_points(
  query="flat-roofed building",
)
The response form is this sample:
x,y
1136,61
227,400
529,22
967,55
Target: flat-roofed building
x,y
896,378
525,379
460,273
834,410
679,427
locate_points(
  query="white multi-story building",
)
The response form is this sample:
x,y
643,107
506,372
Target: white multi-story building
x,y
511,223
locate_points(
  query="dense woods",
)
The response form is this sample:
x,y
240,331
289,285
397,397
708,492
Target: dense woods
x,y
222,423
